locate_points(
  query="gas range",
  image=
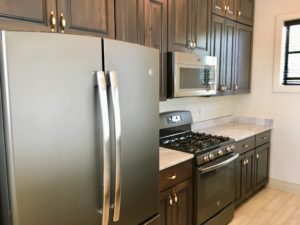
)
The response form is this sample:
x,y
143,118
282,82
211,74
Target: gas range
x,y
175,133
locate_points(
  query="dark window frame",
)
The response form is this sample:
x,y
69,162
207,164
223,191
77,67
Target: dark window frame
x,y
288,80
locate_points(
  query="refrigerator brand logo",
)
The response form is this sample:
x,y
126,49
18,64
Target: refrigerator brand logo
x,y
151,72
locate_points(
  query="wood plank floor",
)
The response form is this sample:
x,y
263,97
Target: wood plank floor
x,y
269,207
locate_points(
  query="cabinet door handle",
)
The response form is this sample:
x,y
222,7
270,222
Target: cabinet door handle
x,y
52,21
245,145
247,162
170,200
175,197
189,44
244,162
63,23
236,87
257,155
173,177
239,13
194,44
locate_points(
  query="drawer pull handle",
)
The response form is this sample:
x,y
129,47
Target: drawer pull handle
x,y
172,177
175,197
265,138
170,200
257,156
245,146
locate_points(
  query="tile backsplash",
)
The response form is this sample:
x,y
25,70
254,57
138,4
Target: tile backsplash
x,y
202,108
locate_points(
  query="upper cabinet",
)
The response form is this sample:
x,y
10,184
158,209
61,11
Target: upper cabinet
x,y
189,25
129,20
225,8
156,36
239,10
245,12
93,17
27,15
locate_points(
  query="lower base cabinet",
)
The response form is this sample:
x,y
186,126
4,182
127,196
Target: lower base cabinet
x,y
176,196
252,166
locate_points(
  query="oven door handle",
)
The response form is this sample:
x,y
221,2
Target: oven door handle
x,y
219,165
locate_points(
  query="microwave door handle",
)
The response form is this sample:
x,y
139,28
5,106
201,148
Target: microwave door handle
x,y
113,79
102,91
219,165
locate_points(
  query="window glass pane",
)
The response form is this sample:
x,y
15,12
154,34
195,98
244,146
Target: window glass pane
x,y
294,38
294,65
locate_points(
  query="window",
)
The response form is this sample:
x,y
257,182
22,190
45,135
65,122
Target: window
x,y
291,62
286,67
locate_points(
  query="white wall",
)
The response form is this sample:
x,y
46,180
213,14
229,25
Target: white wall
x,y
262,102
202,108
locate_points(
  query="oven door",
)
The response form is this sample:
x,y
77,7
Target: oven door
x,y
194,80
214,187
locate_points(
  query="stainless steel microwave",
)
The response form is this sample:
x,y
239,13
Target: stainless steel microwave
x,y
191,75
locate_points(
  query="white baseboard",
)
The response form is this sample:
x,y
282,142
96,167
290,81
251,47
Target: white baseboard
x,y
284,186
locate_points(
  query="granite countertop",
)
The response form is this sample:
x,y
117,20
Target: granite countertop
x,y
168,157
237,128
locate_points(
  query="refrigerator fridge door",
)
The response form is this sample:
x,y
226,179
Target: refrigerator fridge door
x,y
136,69
51,133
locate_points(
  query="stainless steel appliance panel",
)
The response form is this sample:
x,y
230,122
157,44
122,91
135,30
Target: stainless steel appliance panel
x,y
50,127
137,70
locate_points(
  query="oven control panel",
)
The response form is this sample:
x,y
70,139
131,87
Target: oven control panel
x,y
215,154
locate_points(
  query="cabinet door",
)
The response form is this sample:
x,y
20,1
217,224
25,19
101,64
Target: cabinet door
x,y
229,56
201,25
156,37
243,57
179,24
261,166
182,209
217,47
223,47
93,17
27,15
239,165
226,8
130,20
165,210
245,12
247,175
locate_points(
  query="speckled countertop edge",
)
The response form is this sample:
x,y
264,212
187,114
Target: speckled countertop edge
x,y
237,128
169,157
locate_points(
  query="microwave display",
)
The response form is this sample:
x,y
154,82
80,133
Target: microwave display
x,y
192,78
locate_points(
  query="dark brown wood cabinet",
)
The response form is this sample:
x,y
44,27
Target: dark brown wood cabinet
x,y
225,8
93,17
245,11
243,59
261,166
176,196
26,15
252,166
244,167
223,47
156,36
129,16
189,25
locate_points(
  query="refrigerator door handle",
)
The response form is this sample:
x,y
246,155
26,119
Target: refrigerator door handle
x,y
103,102
113,79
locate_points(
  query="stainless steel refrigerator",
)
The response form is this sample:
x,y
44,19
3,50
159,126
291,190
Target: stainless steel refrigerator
x,y
79,131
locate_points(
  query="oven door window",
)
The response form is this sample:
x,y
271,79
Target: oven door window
x,y
196,78
214,190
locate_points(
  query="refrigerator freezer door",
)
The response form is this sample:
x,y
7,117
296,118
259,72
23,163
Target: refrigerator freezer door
x,y
137,70
50,106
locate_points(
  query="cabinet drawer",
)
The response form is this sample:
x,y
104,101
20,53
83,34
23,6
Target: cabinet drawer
x,y
175,174
245,145
262,138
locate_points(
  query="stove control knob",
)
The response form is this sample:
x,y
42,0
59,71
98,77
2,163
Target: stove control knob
x,y
205,158
220,152
232,147
228,149
211,156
